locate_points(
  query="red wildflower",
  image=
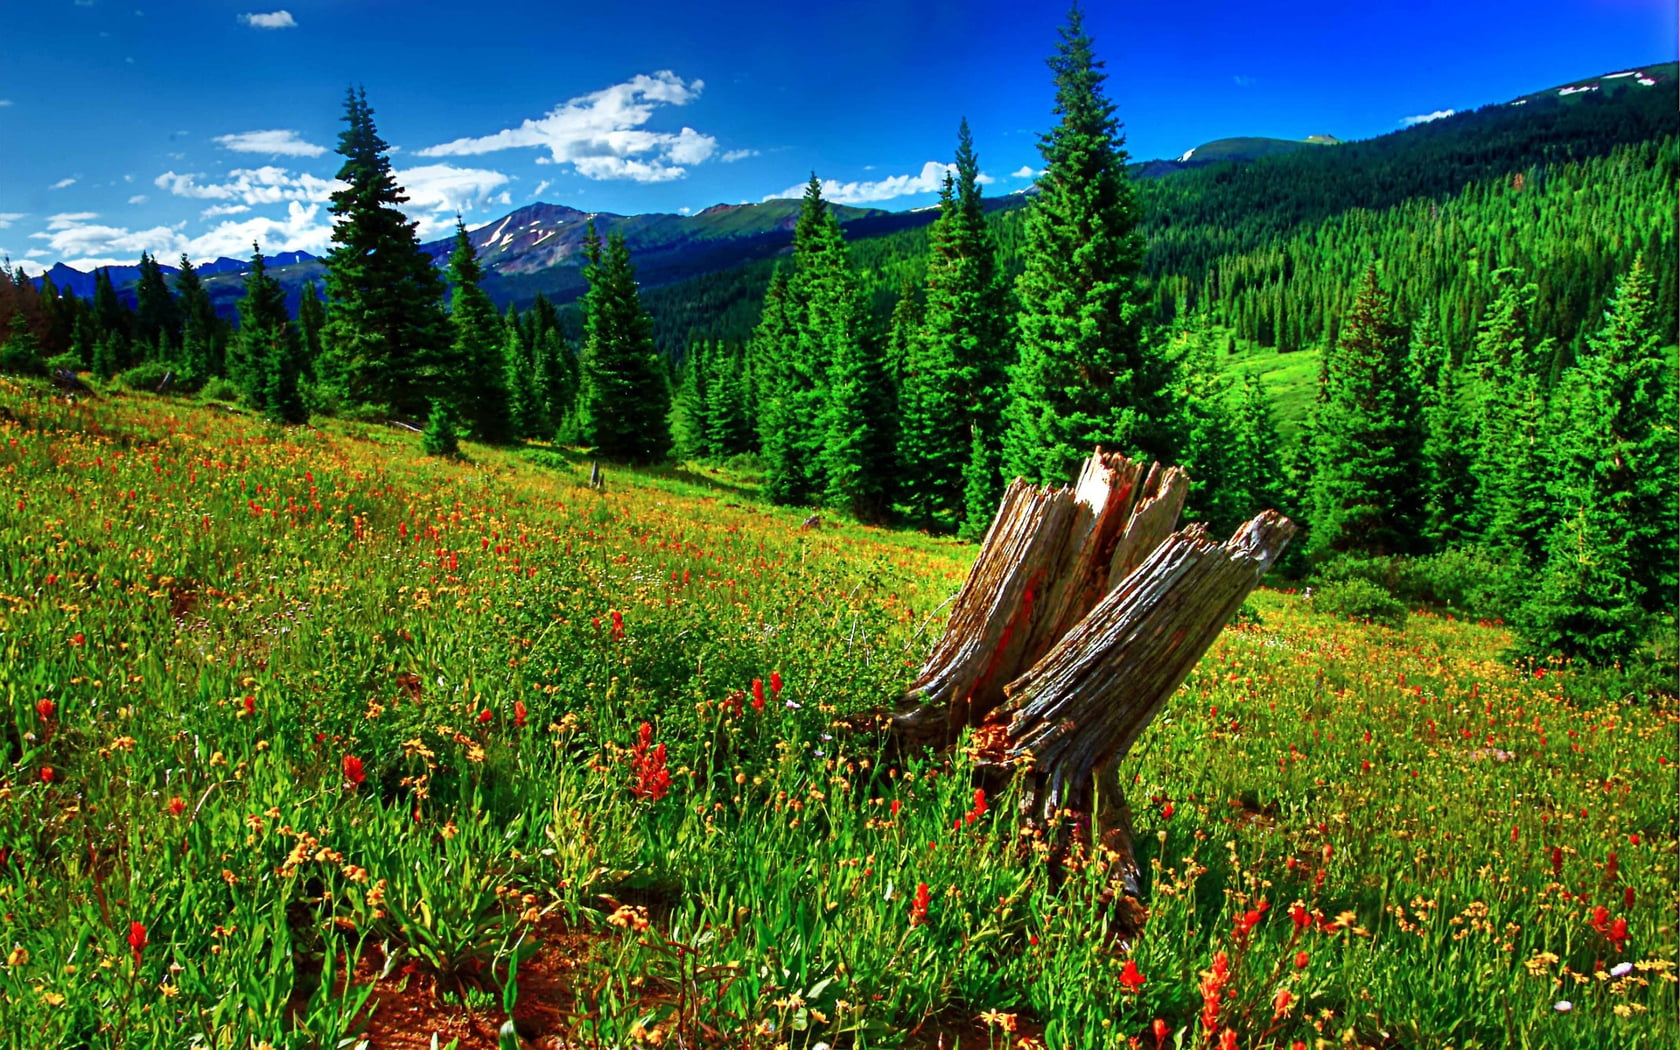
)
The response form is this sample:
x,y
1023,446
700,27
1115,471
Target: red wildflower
x,y
775,684
617,626
979,809
45,708
1633,839
485,716
46,774
895,806
1600,920
1161,1030
919,906
650,778
1557,861
137,940
78,638
1298,915
1619,934
758,694
250,705
1167,811
353,771
1228,1040
1281,1003
177,806
1301,960
1130,977
1244,923
1610,865
1213,987
520,714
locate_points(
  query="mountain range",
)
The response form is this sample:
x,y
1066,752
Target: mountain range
x,y
538,248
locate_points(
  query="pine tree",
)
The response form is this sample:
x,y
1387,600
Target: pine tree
x,y
1367,479
311,318
980,487
725,409
936,426
624,400
519,375
780,377
965,324
688,404
385,328
440,438
1514,514
474,372
1209,431
157,315
113,323
265,360
203,334
1084,375
1257,465
1611,449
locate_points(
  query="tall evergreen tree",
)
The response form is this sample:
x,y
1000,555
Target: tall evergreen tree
x,y
311,318
965,324
385,328
265,359
525,412
157,315
780,377
624,400
113,323
1611,452
474,373
727,430
1257,466
1084,375
203,334
936,427
1367,480
1208,428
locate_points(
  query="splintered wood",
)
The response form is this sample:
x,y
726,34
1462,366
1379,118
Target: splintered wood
x,y
1084,611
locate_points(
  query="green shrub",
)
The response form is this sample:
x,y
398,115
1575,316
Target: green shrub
x,y
62,363
441,437
157,377
21,354
219,388
1359,599
1465,579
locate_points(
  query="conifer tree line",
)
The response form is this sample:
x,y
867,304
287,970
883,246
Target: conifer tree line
x,y
391,336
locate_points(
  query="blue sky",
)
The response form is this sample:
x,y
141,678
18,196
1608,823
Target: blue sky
x,y
200,125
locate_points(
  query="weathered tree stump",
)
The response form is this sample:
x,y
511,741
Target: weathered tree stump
x,y
1083,613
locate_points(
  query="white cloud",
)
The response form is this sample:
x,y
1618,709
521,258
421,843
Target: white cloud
x,y
929,180
63,183
9,217
446,188
734,155
85,245
4,102
275,142
1025,171
265,185
602,135
272,20
138,198
543,185
1424,118
224,209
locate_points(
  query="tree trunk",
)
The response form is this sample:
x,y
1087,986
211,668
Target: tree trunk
x,y
1083,613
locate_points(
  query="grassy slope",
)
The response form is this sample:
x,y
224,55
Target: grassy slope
x,y
221,614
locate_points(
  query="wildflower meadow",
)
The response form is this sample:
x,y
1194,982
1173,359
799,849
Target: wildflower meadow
x,y
312,741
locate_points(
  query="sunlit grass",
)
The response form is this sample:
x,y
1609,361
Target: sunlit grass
x,y
291,699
